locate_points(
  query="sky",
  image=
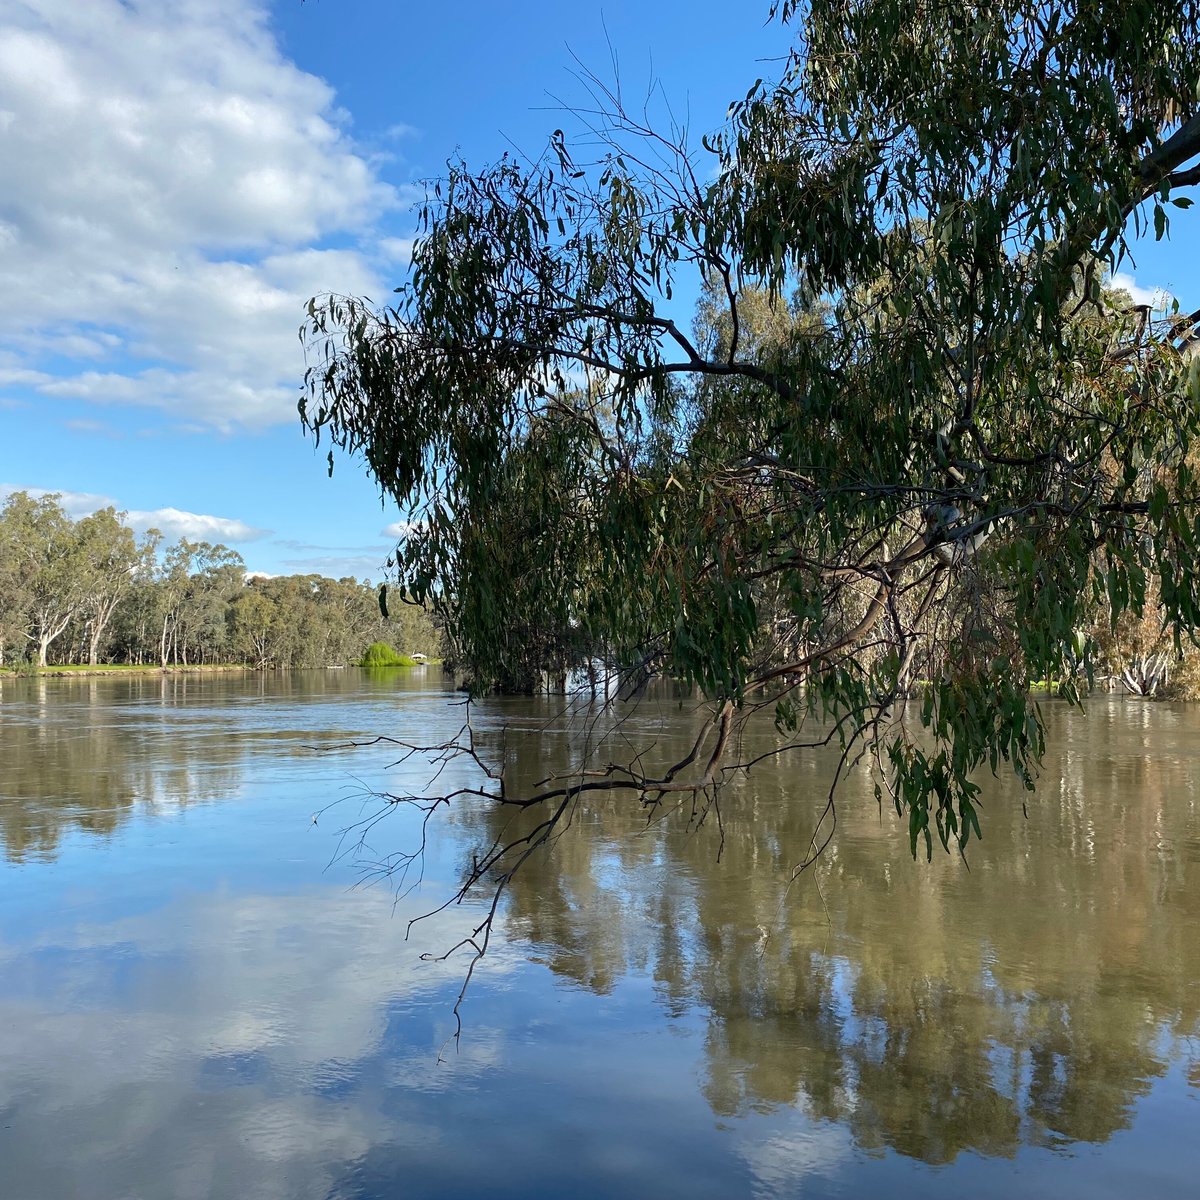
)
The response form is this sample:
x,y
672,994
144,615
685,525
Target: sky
x,y
178,177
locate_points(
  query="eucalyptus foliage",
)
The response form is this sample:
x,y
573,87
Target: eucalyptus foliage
x,y
908,446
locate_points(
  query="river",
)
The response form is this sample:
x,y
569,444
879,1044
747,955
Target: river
x,y
206,991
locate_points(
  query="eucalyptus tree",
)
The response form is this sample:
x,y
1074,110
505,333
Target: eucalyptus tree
x,y
251,617
196,582
350,619
954,448
109,561
14,595
135,627
45,568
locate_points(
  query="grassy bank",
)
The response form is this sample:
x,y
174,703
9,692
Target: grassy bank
x,y
82,670
76,670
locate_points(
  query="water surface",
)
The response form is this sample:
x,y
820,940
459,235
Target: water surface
x,y
198,997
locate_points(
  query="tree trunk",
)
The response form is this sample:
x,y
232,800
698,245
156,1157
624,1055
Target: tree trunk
x,y
103,614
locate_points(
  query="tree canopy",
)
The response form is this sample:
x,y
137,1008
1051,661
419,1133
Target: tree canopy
x,y
907,449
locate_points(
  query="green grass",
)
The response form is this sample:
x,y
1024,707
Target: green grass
x,y
380,654
387,657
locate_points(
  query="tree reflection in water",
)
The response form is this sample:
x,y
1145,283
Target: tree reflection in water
x,y
1029,999
81,754
73,760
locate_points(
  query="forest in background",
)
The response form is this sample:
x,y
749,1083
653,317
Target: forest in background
x,y
93,591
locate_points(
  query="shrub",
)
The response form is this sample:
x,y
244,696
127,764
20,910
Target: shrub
x,y
380,654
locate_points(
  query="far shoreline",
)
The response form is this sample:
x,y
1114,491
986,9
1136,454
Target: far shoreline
x,y
86,672
83,672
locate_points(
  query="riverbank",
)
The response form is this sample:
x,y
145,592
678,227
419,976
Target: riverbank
x,y
83,671
77,672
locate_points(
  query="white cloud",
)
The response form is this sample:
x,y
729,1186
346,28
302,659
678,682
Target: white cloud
x,y
173,522
302,987
195,526
785,1161
339,566
400,529
86,425
74,504
1157,298
399,250
166,173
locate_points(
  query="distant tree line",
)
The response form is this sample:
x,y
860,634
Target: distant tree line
x,y
91,591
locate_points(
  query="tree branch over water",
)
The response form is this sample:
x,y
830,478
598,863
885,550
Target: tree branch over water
x,y
912,452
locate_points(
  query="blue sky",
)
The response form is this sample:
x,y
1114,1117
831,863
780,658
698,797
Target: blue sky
x,y
178,176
